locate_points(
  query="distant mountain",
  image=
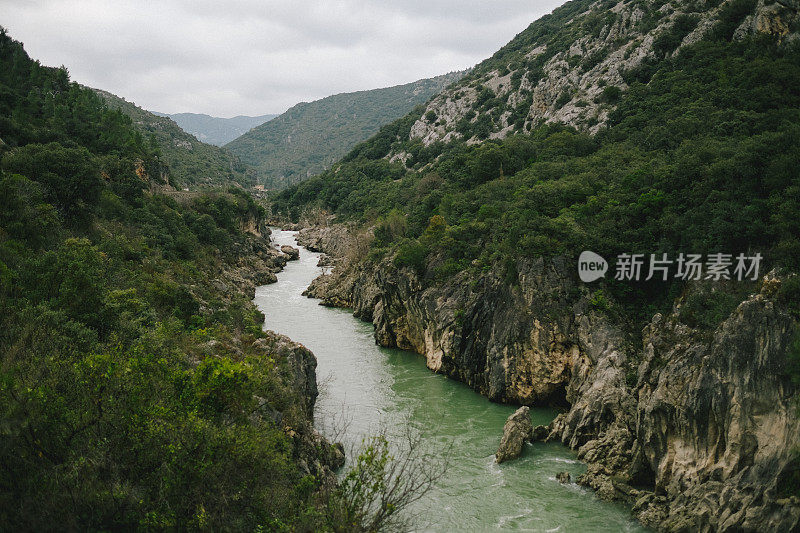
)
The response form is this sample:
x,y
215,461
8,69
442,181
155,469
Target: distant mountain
x,y
309,137
215,130
192,163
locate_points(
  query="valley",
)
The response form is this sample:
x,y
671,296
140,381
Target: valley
x,y
397,309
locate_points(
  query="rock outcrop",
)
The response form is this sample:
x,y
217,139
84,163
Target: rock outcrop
x,y
563,477
695,429
336,240
510,343
291,252
314,454
301,364
516,431
570,66
709,430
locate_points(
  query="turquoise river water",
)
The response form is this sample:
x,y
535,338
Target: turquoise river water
x,y
365,388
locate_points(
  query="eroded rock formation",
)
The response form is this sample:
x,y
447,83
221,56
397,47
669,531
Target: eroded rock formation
x,y
696,429
516,431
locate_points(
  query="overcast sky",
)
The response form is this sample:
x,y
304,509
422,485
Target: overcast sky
x,y
253,57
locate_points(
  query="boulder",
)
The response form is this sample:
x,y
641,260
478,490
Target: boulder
x,y
540,433
563,477
293,253
516,431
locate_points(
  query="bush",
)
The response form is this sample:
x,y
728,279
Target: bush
x,y
412,254
610,95
789,295
563,99
706,308
666,42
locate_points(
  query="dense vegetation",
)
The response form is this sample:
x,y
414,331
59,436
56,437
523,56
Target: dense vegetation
x,y
134,394
700,155
190,163
310,137
215,130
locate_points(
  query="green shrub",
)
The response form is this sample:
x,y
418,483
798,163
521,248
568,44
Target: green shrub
x,y
789,295
610,95
563,99
706,308
667,41
412,254
599,300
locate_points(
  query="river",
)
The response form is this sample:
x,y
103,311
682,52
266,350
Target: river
x,y
365,388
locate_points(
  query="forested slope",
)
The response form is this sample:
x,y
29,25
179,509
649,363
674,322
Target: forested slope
x,y
190,162
467,220
311,136
697,156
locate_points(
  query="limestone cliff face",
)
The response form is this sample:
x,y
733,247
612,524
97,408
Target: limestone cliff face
x,y
695,429
511,344
254,262
707,432
301,367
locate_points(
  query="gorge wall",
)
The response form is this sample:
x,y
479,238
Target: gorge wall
x,y
695,429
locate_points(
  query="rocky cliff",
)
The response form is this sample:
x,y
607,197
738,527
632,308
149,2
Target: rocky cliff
x,y
707,430
696,429
573,65
312,452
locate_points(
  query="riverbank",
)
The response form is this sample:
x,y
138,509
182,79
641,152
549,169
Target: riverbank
x,y
694,429
256,263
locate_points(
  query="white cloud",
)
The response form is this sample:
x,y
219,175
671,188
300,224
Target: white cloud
x,y
252,57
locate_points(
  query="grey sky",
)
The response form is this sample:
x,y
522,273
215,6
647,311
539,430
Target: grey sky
x,y
252,57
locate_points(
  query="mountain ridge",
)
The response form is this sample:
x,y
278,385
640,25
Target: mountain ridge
x,y
311,136
573,65
216,130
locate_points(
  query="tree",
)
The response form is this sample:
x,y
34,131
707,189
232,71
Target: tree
x,y
386,479
70,177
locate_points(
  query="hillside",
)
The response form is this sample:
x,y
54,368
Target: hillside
x,y
309,137
623,128
191,163
572,66
215,130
